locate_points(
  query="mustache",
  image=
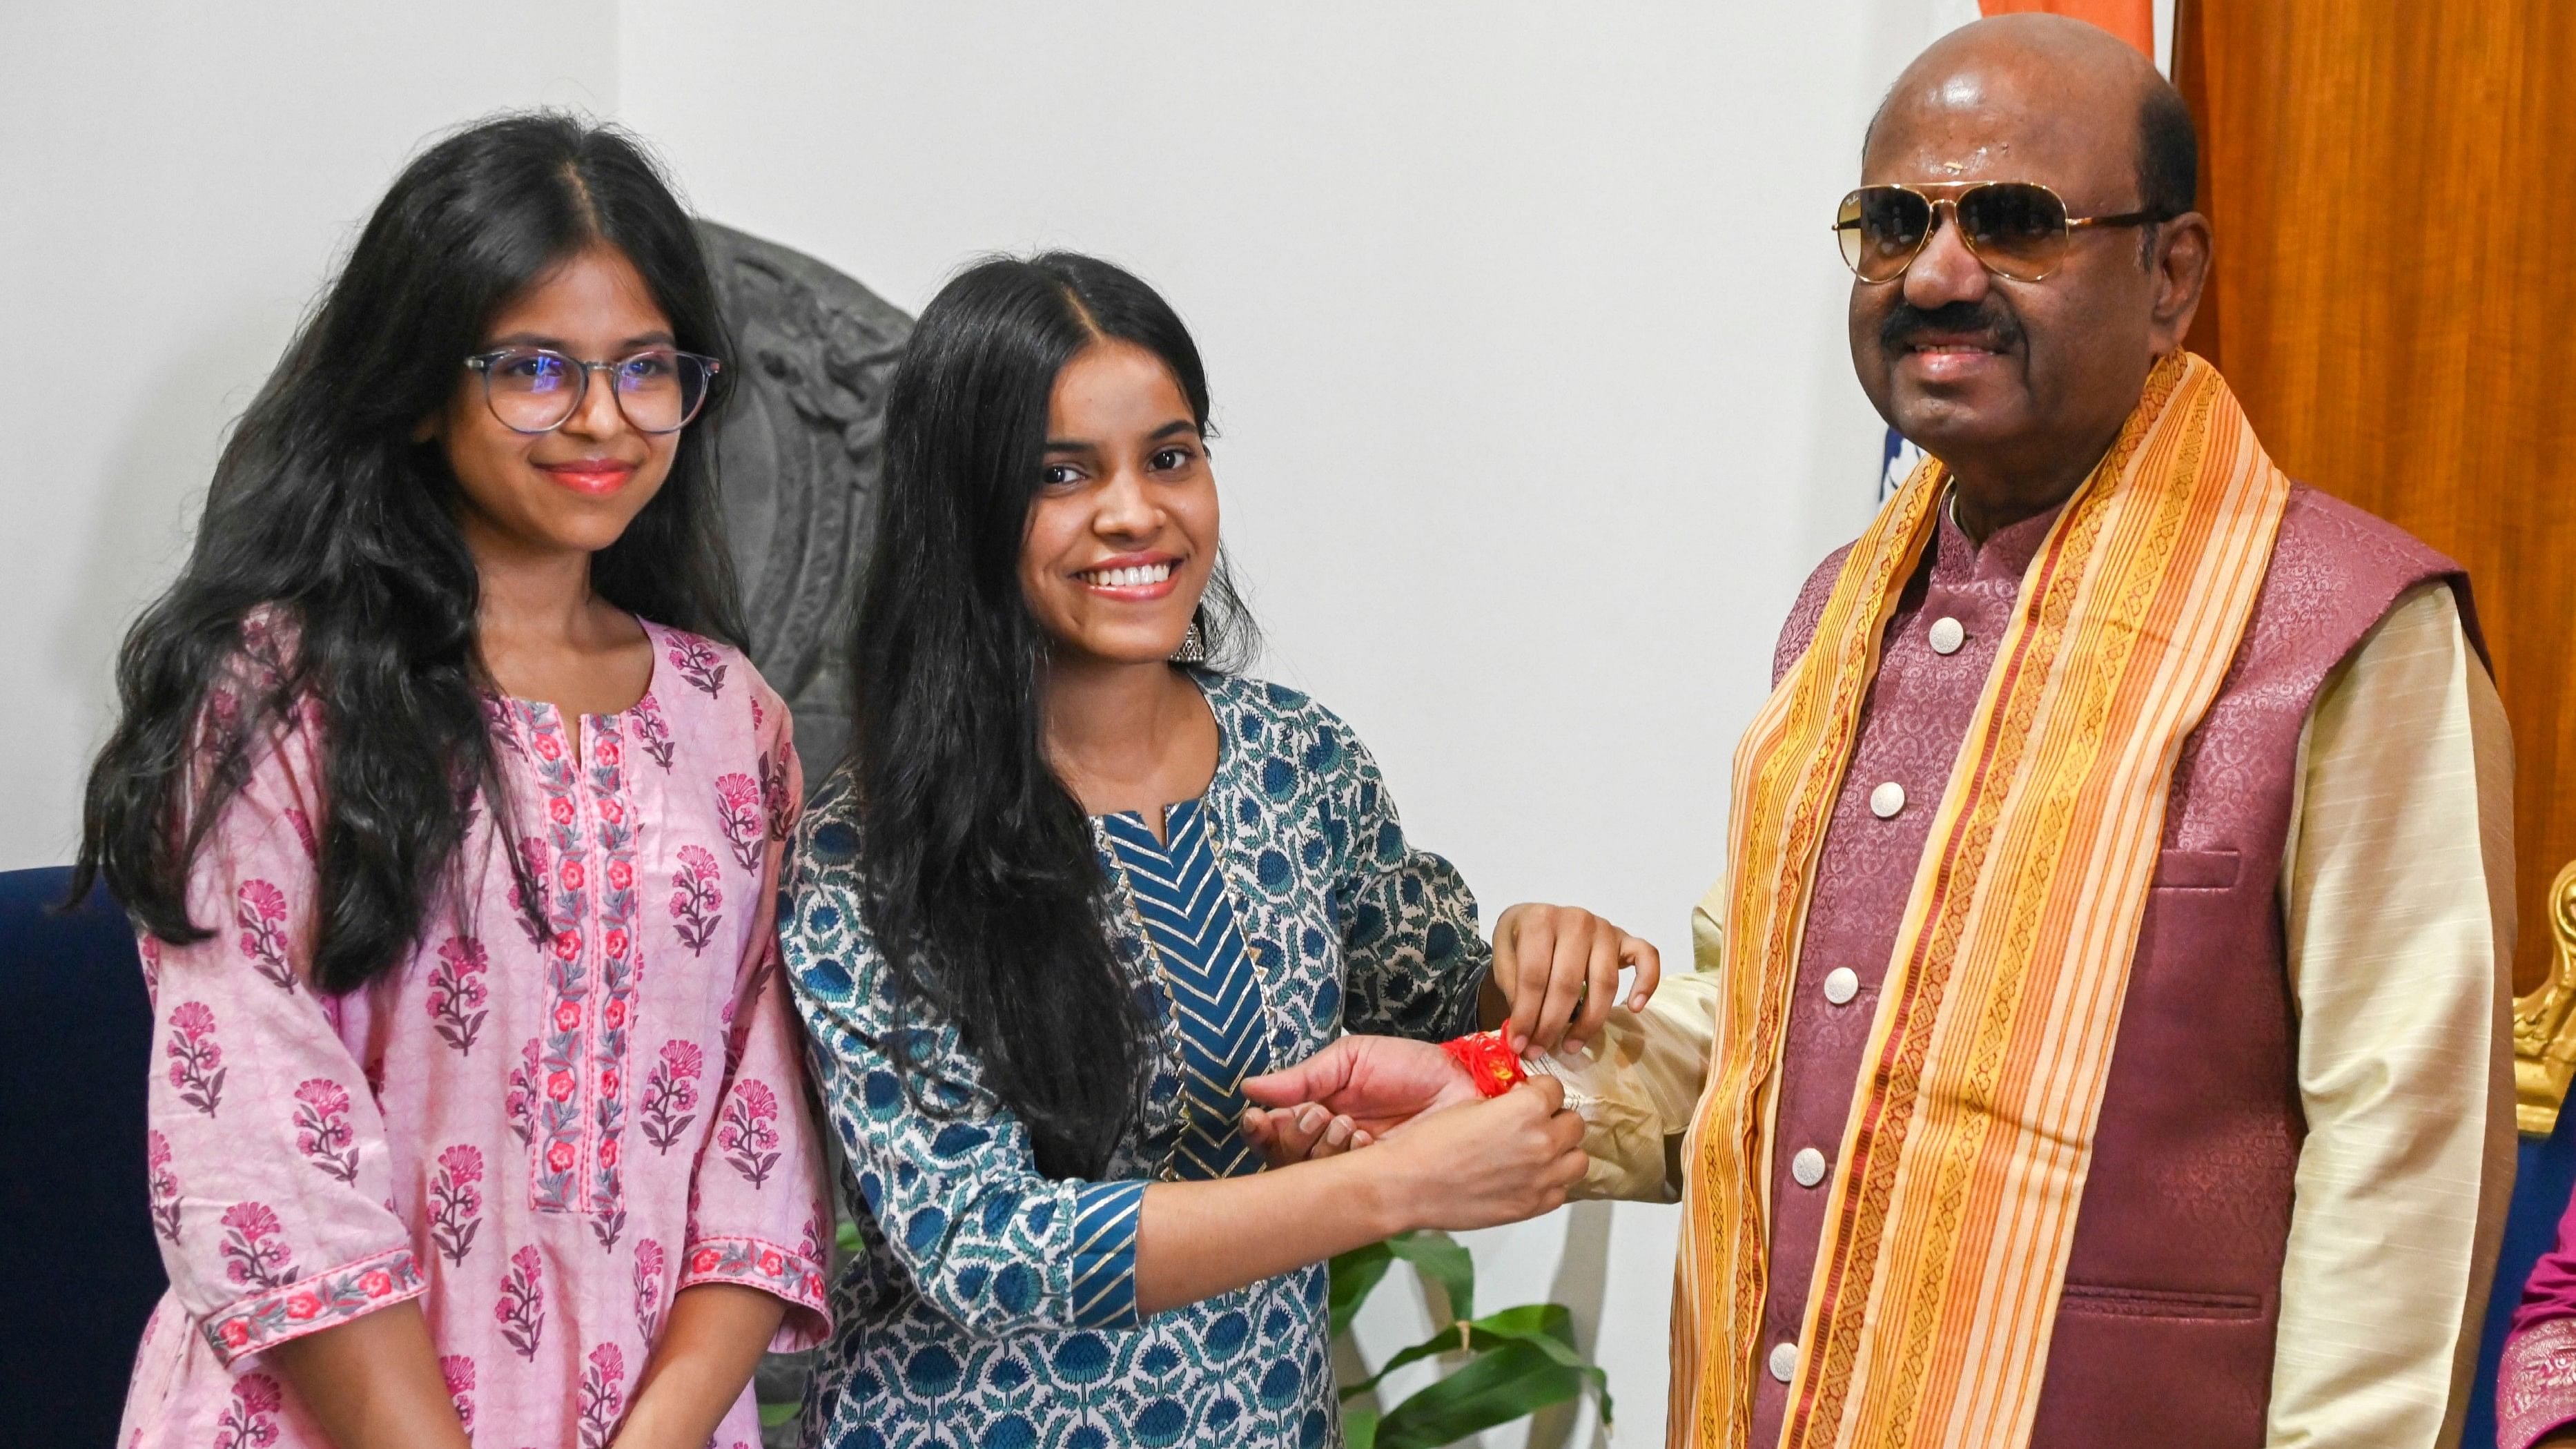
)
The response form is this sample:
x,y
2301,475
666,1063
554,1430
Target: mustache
x,y
1987,318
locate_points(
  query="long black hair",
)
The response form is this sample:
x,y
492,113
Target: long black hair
x,y
980,883
329,519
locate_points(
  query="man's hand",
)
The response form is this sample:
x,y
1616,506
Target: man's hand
x,y
1550,960
1348,1095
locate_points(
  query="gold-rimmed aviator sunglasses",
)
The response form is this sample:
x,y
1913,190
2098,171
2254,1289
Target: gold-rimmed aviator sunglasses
x,y
2017,229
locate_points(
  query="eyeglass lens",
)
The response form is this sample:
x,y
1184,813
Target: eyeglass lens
x,y
532,390
2016,228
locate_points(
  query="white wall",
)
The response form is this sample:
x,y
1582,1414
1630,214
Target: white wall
x,y
1522,320
175,182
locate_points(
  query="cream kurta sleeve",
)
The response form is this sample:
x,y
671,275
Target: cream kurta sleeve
x,y
2397,894
1641,1084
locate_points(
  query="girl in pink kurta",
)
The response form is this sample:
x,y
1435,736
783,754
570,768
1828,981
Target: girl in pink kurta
x,y
477,1104
544,1139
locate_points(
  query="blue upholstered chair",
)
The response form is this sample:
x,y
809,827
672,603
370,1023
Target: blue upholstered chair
x,y
79,1270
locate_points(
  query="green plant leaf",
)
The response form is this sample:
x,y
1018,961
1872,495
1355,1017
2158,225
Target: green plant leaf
x,y
773,1415
1516,1379
847,1240
1437,1256
1359,1429
1547,1327
1353,1275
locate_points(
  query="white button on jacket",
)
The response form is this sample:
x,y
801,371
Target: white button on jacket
x,y
1808,1167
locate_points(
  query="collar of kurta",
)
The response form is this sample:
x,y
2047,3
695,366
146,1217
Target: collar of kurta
x,y
1963,1160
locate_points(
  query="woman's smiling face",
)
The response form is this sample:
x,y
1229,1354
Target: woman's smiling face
x,y
1122,533
579,486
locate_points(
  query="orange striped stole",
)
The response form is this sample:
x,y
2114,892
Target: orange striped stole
x,y
1954,1198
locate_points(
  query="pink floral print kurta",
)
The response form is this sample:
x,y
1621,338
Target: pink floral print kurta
x,y
541,1134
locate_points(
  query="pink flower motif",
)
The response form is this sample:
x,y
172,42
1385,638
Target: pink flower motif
x,y
567,1016
772,1262
650,728
570,874
704,1260
532,860
567,945
163,1184
521,1310
252,1257
748,1134
521,1103
322,1131
671,1094
375,1282
776,798
698,663
548,747
608,753
455,1205
248,1421
259,909
559,810
456,992
621,875
603,1395
149,948
614,942
696,895
740,810
458,1370
809,1243
559,1157
196,1063
648,1289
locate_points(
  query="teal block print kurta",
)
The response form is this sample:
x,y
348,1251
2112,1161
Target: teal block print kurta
x,y
995,1306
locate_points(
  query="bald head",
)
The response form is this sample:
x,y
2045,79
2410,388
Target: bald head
x,y
2095,74
2020,379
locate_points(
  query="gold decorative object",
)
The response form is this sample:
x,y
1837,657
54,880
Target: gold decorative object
x,y
2544,1023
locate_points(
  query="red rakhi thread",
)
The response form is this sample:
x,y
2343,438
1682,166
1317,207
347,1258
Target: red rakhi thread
x,y
1491,1064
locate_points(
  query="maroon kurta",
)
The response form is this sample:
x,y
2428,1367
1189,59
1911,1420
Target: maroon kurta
x,y
2164,1333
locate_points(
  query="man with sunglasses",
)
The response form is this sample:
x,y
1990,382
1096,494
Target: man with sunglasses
x,y
2107,1042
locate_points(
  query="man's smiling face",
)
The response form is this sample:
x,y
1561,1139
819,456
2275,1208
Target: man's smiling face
x,y
1986,373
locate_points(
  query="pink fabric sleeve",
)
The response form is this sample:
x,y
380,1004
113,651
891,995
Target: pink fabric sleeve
x,y
2536,1381
759,1214
270,1173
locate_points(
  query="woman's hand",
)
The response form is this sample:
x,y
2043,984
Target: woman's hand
x,y
1354,1091
1556,974
1486,1163
711,1342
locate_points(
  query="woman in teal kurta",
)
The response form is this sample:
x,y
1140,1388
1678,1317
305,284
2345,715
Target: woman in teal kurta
x,y
1115,885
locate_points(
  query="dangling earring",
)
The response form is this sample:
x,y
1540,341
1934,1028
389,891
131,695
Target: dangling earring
x,y
1193,648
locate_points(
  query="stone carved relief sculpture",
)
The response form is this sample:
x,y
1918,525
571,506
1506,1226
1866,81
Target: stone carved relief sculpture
x,y
800,454
799,458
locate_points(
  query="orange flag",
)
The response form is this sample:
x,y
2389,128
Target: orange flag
x,y
2132,20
